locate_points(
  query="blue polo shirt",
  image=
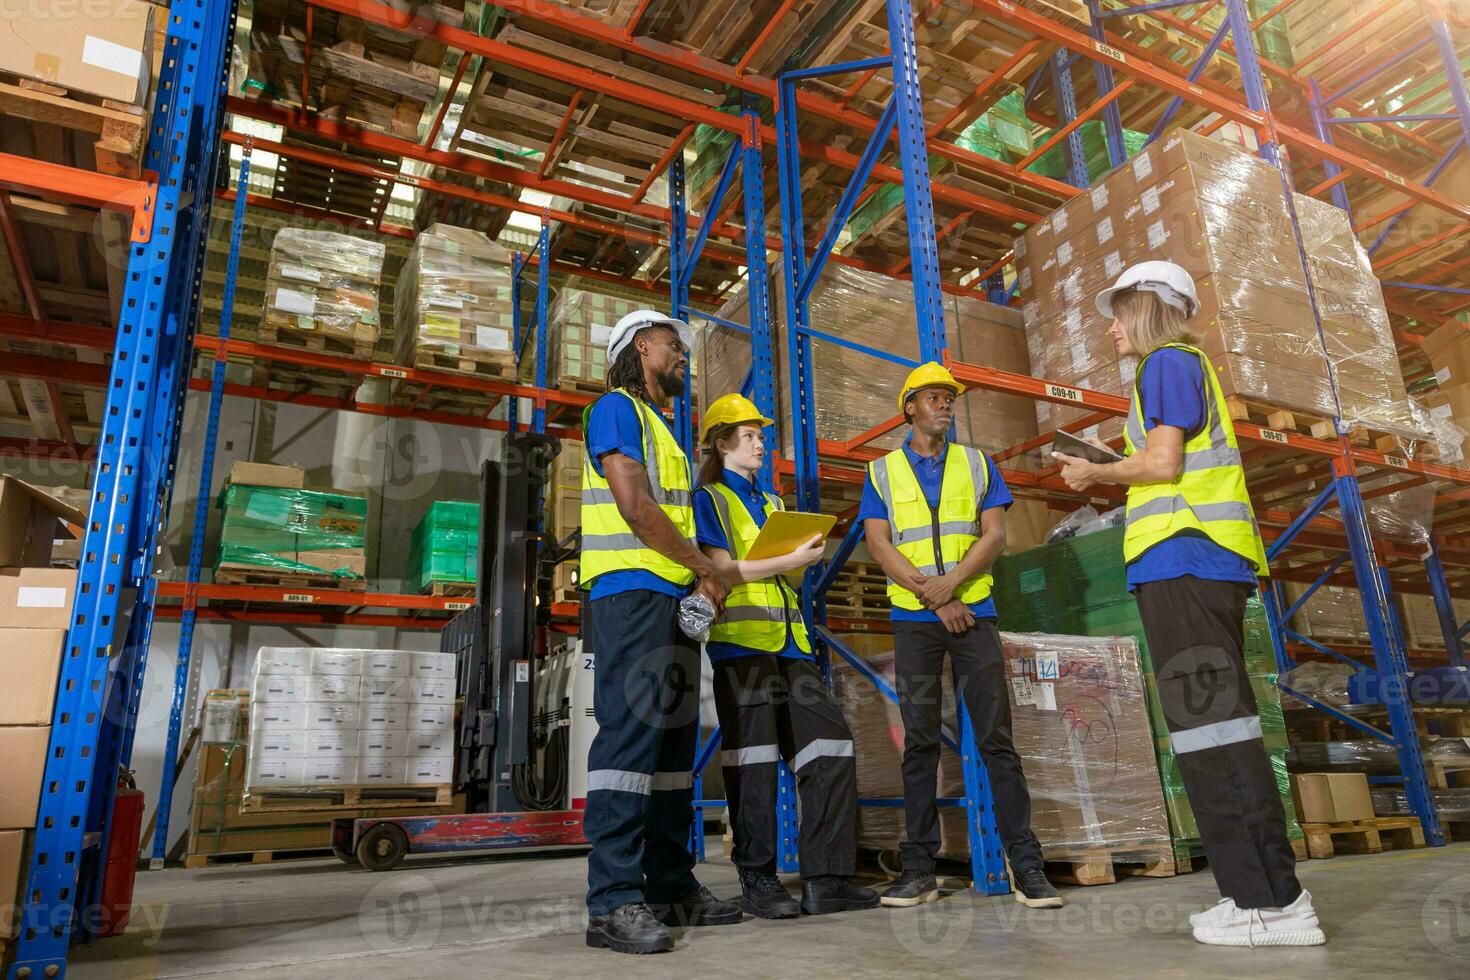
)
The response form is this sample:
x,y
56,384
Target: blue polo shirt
x,y
1171,391
613,427
930,472
709,532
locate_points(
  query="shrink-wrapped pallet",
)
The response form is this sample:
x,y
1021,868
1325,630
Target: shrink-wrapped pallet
x,y
321,292
1081,726
578,325
452,305
1220,214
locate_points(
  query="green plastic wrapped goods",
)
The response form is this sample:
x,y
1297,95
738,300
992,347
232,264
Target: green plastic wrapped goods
x,y
445,547
293,531
1053,163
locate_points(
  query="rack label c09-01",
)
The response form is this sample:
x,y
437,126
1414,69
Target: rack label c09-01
x,y
297,597
1062,391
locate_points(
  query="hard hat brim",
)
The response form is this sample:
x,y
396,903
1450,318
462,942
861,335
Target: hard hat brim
x,y
705,428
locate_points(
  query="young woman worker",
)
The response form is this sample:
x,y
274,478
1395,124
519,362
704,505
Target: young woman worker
x,y
1193,553
769,695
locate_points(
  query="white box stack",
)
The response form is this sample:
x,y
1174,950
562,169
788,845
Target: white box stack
x,y
339,717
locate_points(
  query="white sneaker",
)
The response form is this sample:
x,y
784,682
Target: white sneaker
x,y
1223,907
1295,925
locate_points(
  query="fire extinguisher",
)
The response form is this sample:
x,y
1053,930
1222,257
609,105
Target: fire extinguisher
x,y
116,901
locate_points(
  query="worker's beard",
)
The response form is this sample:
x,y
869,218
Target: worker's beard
x,y
672,382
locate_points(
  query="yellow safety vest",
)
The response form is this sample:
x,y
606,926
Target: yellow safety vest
x,y
608,543
757,614
1208,496
934,542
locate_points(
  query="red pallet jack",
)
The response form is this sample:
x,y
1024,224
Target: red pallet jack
x,y
527,720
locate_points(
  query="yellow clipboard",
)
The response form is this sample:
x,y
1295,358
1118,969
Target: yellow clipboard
x,y
786,530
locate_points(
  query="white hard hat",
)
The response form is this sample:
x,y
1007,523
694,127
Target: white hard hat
x,y
1166,280
627,328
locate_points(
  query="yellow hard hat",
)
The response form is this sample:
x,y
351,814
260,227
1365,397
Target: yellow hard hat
x,y
731,409
930,375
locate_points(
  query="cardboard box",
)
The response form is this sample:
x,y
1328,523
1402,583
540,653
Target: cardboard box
x,y
267,475
385,716
346,663
290,716
13,868
330,770
375,743
282,771
333,687
24,752
431,690
30,522
104,48
1332,797
433,665
30,662
383,770
36,598
428,719
387,663
427,770
328,716
386,690
278,688
295,661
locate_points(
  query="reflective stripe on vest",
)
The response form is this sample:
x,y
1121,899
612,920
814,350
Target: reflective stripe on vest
x,y
1208,496
756,613
608,543
912,525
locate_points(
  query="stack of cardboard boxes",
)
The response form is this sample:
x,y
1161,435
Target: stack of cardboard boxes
x,y
564,514
330,718
451,303
1312,23
1448,350
321,292
444,551
1081,726
35,611
578,326
274,527
1221,214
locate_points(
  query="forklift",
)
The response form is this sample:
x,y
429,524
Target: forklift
x,y
526,721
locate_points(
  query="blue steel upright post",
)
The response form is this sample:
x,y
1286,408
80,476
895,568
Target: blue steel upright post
x,y
1061,72
1390,659
188,618
513,404
158,310
543,271
679,289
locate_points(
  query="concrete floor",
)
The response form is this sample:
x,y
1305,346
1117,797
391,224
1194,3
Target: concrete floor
x,y
1396,913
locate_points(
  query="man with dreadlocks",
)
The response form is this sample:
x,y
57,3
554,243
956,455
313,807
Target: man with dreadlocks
x,y
639,560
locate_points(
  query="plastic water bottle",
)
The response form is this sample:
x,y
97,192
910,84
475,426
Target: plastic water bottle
x,y
696,613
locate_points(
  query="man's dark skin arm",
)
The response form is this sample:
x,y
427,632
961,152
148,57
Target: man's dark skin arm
x,y
628,480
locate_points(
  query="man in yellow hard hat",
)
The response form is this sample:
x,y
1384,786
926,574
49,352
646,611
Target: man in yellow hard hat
x,y
934,516
769,693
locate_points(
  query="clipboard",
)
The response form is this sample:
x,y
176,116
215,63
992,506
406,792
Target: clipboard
x,y
1065,442
786,530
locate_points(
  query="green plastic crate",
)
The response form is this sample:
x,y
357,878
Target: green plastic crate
x,y
445,547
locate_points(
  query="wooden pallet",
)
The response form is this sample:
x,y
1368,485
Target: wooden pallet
x,y
1448,773
352,797
1324,840
357,343
451,401
1105,865
116,130
475,361
254,857
450,588
1455,830
245,575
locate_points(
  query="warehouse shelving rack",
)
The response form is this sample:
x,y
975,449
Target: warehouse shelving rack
x,y
135,450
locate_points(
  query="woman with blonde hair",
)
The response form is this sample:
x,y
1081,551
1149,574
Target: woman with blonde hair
x,y
1194,553
770,696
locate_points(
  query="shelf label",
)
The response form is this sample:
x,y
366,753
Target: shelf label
x,y
388,372
1110,51
1392,460
1394,177
457,606
1009,8
297,597
1271,435
408,179
1062,391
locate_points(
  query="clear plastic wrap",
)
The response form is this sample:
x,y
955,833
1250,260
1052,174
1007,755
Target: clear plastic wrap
x,y
1333,612
579,324
451,304
1446,436
1453,804
1219,213
1324,682
1420,620
1071,525
321,291
1080,723
294,532
855,390
324,719
1403,515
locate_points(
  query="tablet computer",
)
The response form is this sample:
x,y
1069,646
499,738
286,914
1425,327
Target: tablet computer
x,y
1065,442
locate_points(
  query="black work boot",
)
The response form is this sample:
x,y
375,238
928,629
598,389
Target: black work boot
x,y
835,893
629,928
1035,892
912,888
697,909
763,896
